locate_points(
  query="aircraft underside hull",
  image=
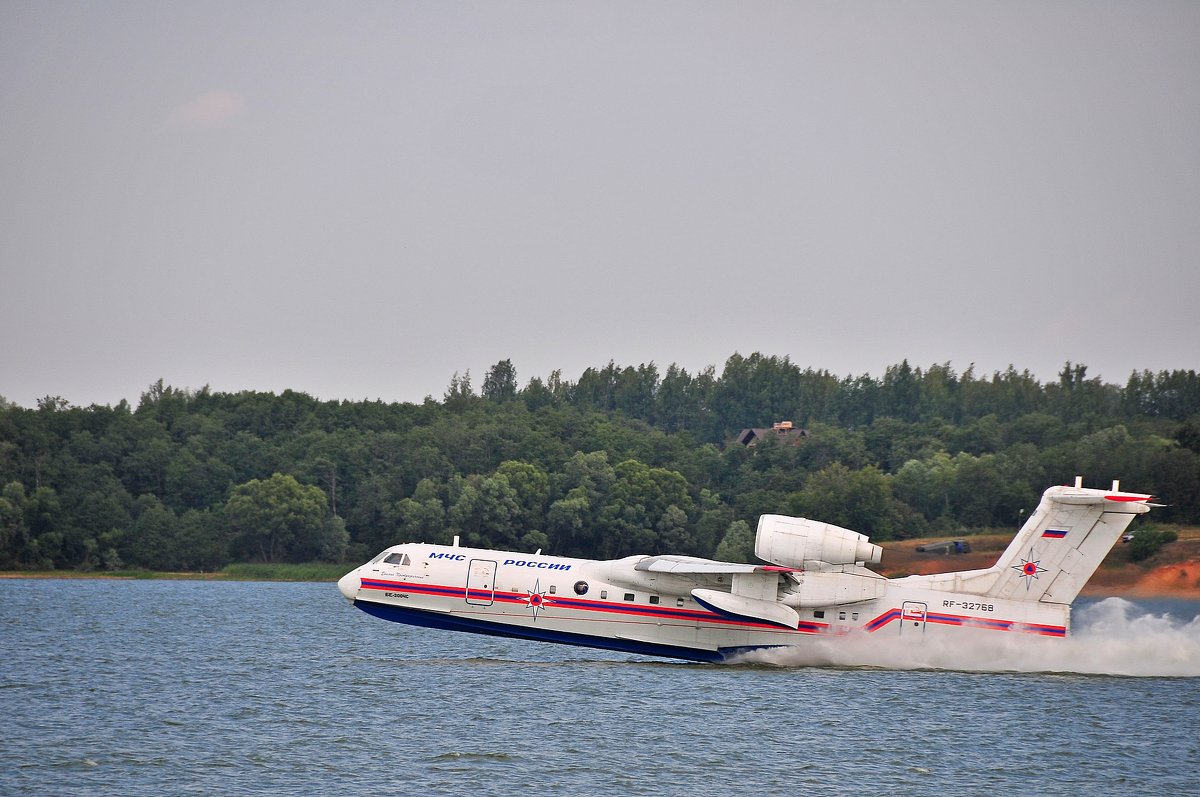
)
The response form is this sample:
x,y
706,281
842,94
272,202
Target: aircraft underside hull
x,y
672,628
678,632
709,647
477,625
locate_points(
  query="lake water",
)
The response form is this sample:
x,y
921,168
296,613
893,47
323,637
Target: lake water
x,y
165,688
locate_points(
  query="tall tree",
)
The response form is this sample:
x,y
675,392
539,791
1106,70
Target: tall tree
x,y
737,545
277,519
459,395
500,382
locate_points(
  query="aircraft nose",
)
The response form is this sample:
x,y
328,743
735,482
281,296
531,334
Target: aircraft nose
x,y
349,584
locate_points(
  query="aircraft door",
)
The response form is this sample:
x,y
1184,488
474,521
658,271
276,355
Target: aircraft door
x,y
481,582
912,617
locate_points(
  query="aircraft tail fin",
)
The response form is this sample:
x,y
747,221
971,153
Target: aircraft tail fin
x,y
1063,542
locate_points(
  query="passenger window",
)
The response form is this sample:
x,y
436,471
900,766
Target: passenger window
x,y
679,601
819,614
628,596
553,589
654,599
841,615
854,615
603,594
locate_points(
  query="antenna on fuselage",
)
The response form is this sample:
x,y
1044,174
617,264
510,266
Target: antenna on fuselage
x,y
455,543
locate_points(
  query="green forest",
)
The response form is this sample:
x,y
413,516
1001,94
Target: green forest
x,y
622,460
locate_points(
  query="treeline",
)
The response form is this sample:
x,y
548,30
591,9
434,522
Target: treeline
x,y
622,460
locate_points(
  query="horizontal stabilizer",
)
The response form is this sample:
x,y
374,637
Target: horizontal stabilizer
x,y
743,608
1080,496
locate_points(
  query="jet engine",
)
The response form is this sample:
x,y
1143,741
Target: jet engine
x,y
809,544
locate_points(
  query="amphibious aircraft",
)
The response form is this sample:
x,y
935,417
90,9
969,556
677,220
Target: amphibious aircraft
x,y
815,583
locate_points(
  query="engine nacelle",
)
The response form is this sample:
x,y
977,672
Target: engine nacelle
x,y
814,590
793,541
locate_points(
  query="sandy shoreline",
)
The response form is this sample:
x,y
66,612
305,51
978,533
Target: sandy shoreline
x,y
1175,580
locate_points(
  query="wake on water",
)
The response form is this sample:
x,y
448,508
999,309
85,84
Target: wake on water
x,y
1111,637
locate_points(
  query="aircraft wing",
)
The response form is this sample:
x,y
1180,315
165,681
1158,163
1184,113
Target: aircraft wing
x,y
683,565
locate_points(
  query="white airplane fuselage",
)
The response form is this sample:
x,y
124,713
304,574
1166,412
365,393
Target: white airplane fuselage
x,y
700,610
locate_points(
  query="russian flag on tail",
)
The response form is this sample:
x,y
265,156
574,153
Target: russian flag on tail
x,y
1055,534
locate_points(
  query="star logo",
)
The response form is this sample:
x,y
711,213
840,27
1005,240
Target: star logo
x,y
536,598
1029,568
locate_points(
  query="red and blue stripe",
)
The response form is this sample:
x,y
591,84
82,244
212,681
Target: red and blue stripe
x,y
586,605
621,609
967,621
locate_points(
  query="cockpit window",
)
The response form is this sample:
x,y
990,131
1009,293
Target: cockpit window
x,y
398,559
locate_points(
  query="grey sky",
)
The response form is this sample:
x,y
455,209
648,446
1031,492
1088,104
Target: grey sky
x,y
358,200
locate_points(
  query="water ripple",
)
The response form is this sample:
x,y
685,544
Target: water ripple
x,y
146,688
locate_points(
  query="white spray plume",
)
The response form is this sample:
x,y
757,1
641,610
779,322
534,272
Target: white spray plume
x,y
1111,637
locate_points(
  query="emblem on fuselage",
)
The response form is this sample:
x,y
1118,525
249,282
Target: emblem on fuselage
x,y
536,598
